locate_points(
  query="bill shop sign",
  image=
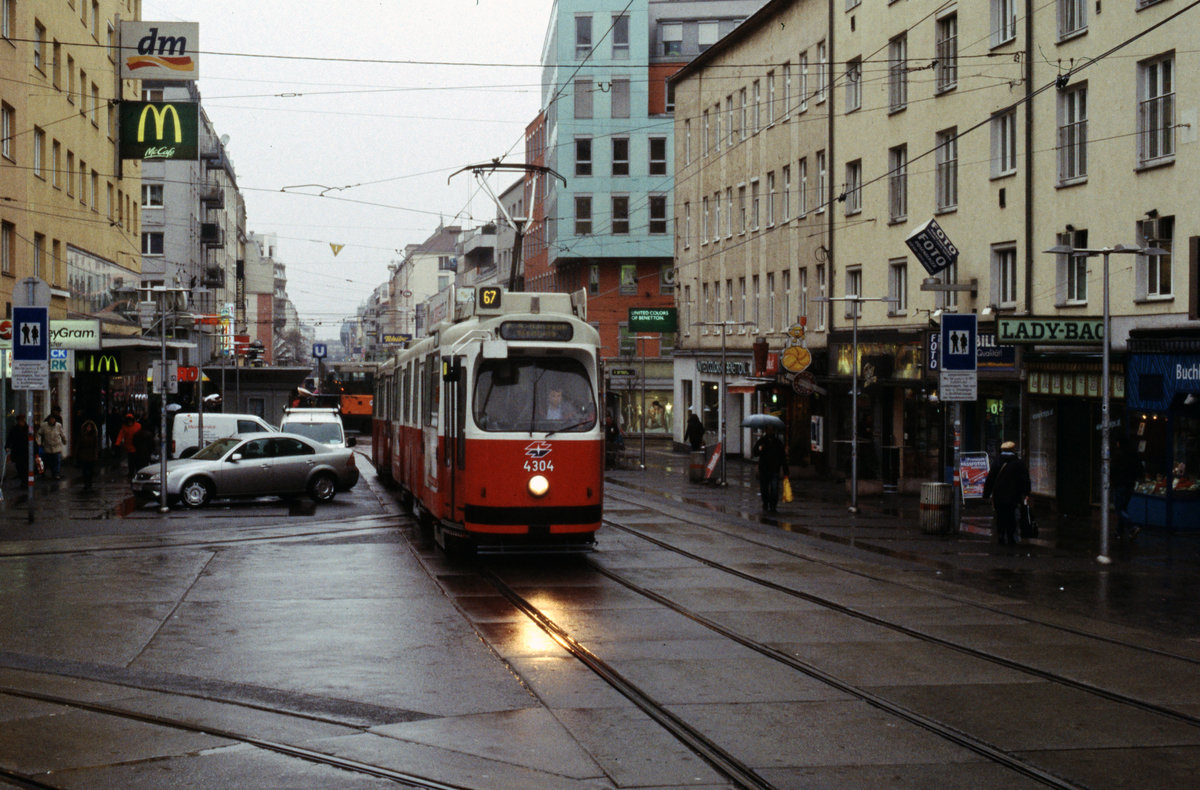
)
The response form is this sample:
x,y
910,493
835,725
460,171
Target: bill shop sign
x,y
1050,331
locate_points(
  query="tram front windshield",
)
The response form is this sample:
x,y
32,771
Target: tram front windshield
x,y
534,394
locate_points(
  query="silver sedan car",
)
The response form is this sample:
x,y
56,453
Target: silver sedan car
x,y
253,465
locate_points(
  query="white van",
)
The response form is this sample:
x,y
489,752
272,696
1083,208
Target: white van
x,y
185,430
320,425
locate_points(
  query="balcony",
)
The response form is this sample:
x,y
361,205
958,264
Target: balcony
x,y
212,194
212,234
214,277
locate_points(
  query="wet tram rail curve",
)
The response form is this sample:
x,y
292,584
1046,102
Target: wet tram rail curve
x,y
920,679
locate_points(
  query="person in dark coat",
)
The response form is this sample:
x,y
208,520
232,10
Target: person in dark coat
x,y
694,435
1007,485
1127,472
17,446
87,451
772,462
143,447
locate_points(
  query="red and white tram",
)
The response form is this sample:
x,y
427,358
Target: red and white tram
x,y
489,424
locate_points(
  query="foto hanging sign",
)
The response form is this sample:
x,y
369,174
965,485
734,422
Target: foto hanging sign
x,y
163,51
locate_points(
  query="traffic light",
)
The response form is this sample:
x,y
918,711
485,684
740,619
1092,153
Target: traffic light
x,y
254,352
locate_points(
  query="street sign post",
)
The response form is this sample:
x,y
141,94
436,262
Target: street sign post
x,y
959,381
31,348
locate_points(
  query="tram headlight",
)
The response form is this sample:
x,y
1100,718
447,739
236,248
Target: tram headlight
x,y
538,485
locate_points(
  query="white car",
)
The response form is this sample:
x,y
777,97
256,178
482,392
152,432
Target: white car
x,y
320,425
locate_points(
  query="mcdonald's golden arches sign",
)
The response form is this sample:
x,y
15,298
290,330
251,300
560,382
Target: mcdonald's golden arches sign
x,y
159,130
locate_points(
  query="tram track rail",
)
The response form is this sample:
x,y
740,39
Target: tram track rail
x,y
309,756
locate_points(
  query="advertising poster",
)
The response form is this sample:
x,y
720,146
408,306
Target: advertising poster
x,y
972,471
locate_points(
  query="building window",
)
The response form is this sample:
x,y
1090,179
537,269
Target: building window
x,y
729,314
802,88
854,85
1004,276
39,46
583,98
8,238
707,133
1004,21
754,204
704,220
898,183
8,123
770,97
802,282
666,278
853,289
947,170
620,98
1156,270
729,212
583,36
707,34
822,70
1072,18
742,299
594,279
822,194
898,73
620,214
658,214
945,67
583,215
786,105
755,299
672,38
1073,269
786,208
1004,144
39,152
742,110
152,243
718,136
1156,110
687,224
669,92
629,280
583,156
151,196
742,218
729,119
56,164
716,234
687,141
771,199
620,37
897,287
1072,133
786,307
757,106
854,187
802,191
821,304
658,156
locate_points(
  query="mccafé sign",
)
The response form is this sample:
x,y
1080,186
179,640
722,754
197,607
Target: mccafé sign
x,y
159,130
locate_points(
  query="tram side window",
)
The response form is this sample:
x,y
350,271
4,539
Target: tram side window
x,y
432,381
534,395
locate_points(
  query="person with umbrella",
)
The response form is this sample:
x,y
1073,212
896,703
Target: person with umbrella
x,y
772,463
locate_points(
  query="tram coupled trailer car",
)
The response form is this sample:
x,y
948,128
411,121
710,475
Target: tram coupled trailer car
x,y
495,438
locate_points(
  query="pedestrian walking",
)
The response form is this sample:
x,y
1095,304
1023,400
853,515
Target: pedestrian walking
x,y
694,435
772,462
143,447
1008,486
53,440
1127,472
87,451
17,446
125,442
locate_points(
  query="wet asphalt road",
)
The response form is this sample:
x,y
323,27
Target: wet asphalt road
x,y
325,626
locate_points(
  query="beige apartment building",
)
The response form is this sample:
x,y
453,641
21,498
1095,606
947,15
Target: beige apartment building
x,y
1017,127
70,209
752,217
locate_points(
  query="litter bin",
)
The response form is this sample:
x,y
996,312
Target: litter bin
x,y
696,466
935,507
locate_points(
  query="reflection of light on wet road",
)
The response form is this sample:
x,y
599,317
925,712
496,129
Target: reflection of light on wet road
x,y
535,640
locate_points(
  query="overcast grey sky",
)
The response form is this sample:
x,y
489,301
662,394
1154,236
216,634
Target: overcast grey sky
x,y
276,76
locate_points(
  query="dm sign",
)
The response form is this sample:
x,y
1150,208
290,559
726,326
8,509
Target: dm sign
x,y
159,130
164,51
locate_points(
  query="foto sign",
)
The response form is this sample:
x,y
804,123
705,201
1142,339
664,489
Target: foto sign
x,y
652,319
163,51
159,130
932,247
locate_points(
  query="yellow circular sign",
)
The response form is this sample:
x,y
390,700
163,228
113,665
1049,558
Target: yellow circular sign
x,y
795,358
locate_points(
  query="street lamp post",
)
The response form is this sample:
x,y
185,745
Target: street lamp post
x,y
857,300
1105,376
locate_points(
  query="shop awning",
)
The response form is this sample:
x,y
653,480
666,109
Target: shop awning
x,y
147,343
742,389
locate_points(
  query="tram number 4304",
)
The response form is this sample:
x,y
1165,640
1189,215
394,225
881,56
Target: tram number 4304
x,y
539,465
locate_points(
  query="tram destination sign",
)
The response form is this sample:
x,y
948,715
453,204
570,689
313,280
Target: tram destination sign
x,y
653,319
1050,331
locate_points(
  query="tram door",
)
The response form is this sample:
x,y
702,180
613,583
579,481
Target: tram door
x,y
455,393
